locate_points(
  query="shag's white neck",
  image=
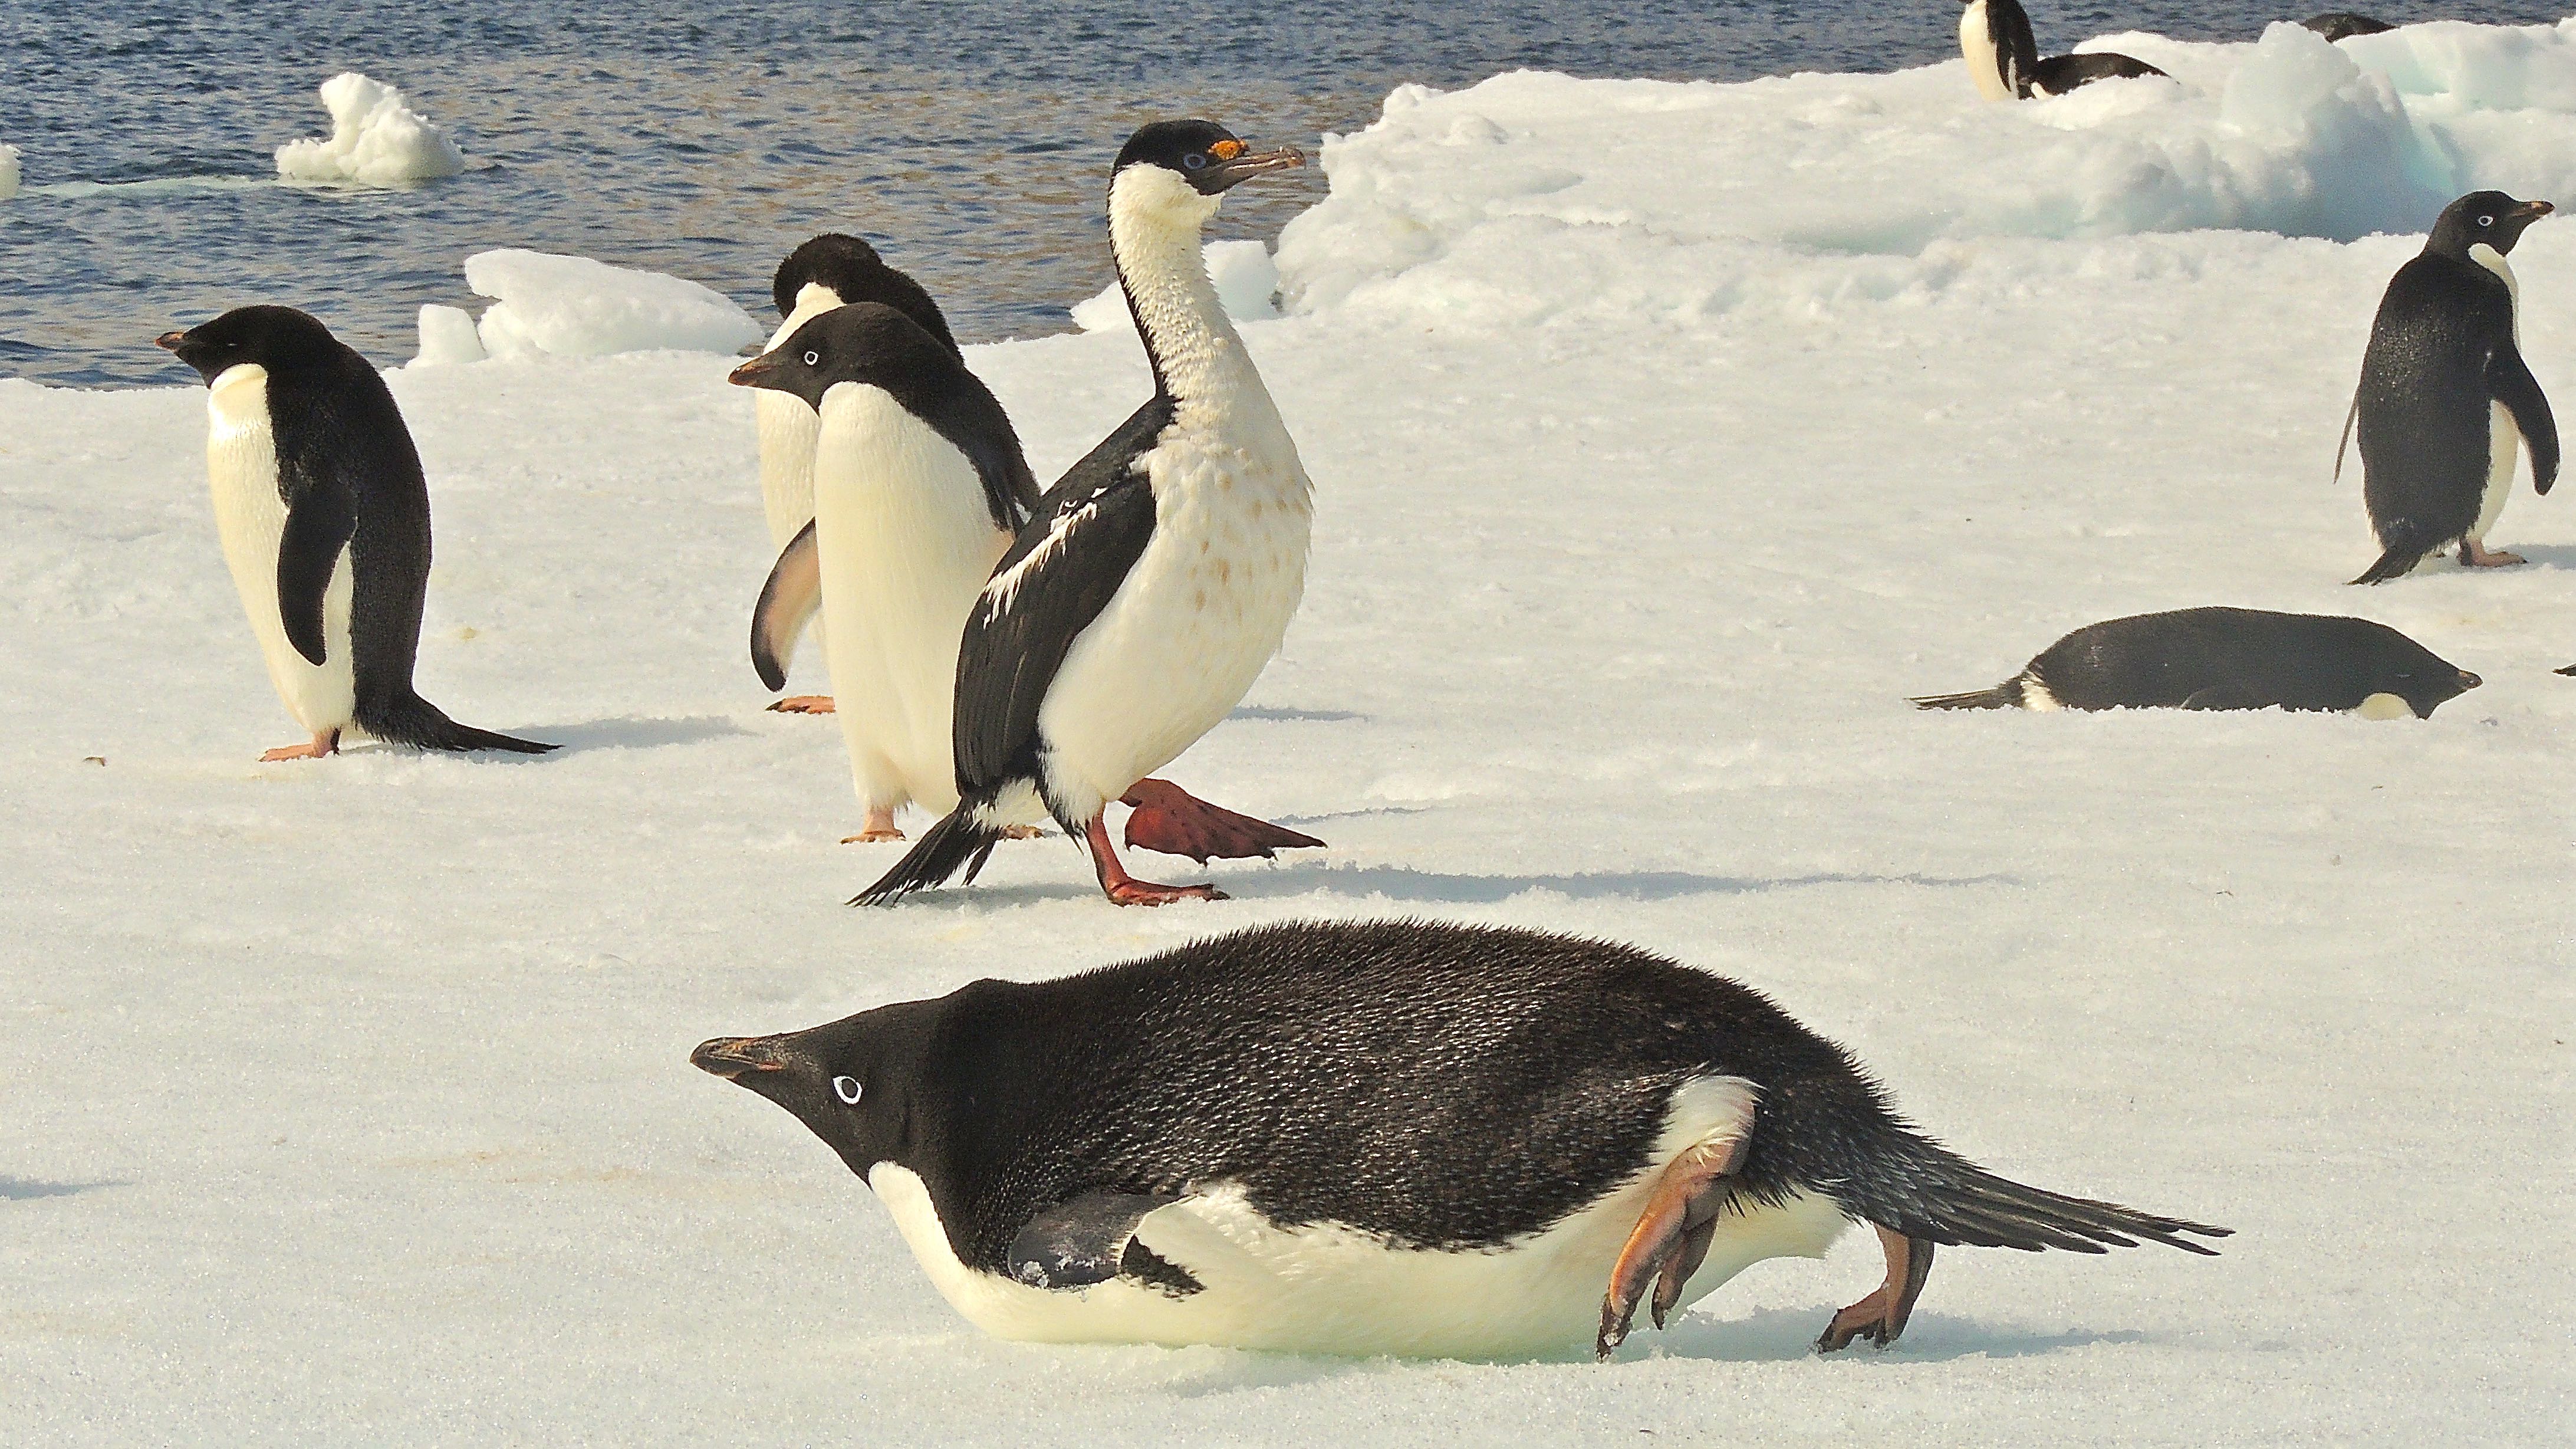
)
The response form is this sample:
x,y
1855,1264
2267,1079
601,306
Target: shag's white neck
x,y
1154,223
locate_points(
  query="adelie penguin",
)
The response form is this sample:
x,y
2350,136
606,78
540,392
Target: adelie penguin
x,y
825,272
2004,61
2229,659
1161,572
918,485
2446,402
324,516
1389,1138
2344,25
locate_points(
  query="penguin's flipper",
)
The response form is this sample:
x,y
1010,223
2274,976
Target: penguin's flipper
x,y
2509,381
2006,695
1673,1233
319,524
1079,1242
2228,696
2345,441
788,602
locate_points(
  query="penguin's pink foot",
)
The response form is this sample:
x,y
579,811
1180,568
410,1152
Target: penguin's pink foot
x,y
879,827
1124,889
1881,1316
2474,554
806,704
1021,832
1171,820
325,743
1672,1235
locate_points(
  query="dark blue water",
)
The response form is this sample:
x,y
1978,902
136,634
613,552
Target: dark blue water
x,y
968,138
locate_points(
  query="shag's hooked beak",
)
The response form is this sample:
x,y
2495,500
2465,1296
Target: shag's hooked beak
x,y
761,371
730,1057
170,340
2470,681
1245,165
2532,210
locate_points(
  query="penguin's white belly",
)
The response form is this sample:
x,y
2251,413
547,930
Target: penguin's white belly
x,y
250,519
905,541
2504,447
1333,1289
1977,43
1196,619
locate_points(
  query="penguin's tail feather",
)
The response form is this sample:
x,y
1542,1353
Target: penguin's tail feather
x,y
1917,1187
2395,563
414,721
958,842
2006,695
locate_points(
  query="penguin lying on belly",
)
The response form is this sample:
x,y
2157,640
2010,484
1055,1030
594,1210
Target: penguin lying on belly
x,y
2004,60
1394,1137
2228,659
824,272
324,516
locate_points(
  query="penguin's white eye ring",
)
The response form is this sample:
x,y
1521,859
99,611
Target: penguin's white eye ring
x,y
847,1089
2486,221
1194,161
811,358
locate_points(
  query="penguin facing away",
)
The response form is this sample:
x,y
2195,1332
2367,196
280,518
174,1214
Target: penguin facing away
x,y
324,516
822,273
2219,658
1393,1137
2004,60
1161,573
2446,402
2344,25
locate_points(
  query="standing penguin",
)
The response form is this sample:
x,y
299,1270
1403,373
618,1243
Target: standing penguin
x,y
2446,401
825,272
1384,1138
2004,61
324,517
1159,578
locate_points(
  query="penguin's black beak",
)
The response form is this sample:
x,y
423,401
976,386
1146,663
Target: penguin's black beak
x,y
730,1057
2469,681
170,340
1244,165
2532,210
761,371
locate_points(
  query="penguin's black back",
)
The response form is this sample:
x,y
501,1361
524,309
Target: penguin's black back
x,y
1446,1086
2422,413
2344,25
2227,658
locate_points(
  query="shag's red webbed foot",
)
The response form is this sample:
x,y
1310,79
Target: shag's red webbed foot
x,y
805,704
1173,821
1134,892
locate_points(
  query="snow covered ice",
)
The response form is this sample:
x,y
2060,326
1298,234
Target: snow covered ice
x,y
8,172
375,140
1665,438
559,306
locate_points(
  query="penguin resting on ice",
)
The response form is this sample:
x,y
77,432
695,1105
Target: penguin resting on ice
x,y
324,516
918,486
2344,25
1384,1138
2446,402
2228,659
2004,61
1160,574
824,272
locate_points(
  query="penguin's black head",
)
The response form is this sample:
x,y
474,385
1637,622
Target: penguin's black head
x,y
864,342
848,1082
271,337
1206,155
845,264
2425,680
2483,216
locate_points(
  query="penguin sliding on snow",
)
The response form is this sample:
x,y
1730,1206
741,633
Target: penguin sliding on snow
x,y
825,272
2004,60
2446,402
324,517
918,484
1384,1138
1160,575
2229,659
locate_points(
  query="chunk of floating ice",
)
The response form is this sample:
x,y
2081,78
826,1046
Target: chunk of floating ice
x,y
375,140
8,172
447,334
1245,278
549,305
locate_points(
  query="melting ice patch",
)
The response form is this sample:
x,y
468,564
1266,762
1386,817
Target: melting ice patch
x,y
375,140
1534,195
575,307
1246,280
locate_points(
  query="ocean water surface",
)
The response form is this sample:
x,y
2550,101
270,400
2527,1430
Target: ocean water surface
x,y
969,139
